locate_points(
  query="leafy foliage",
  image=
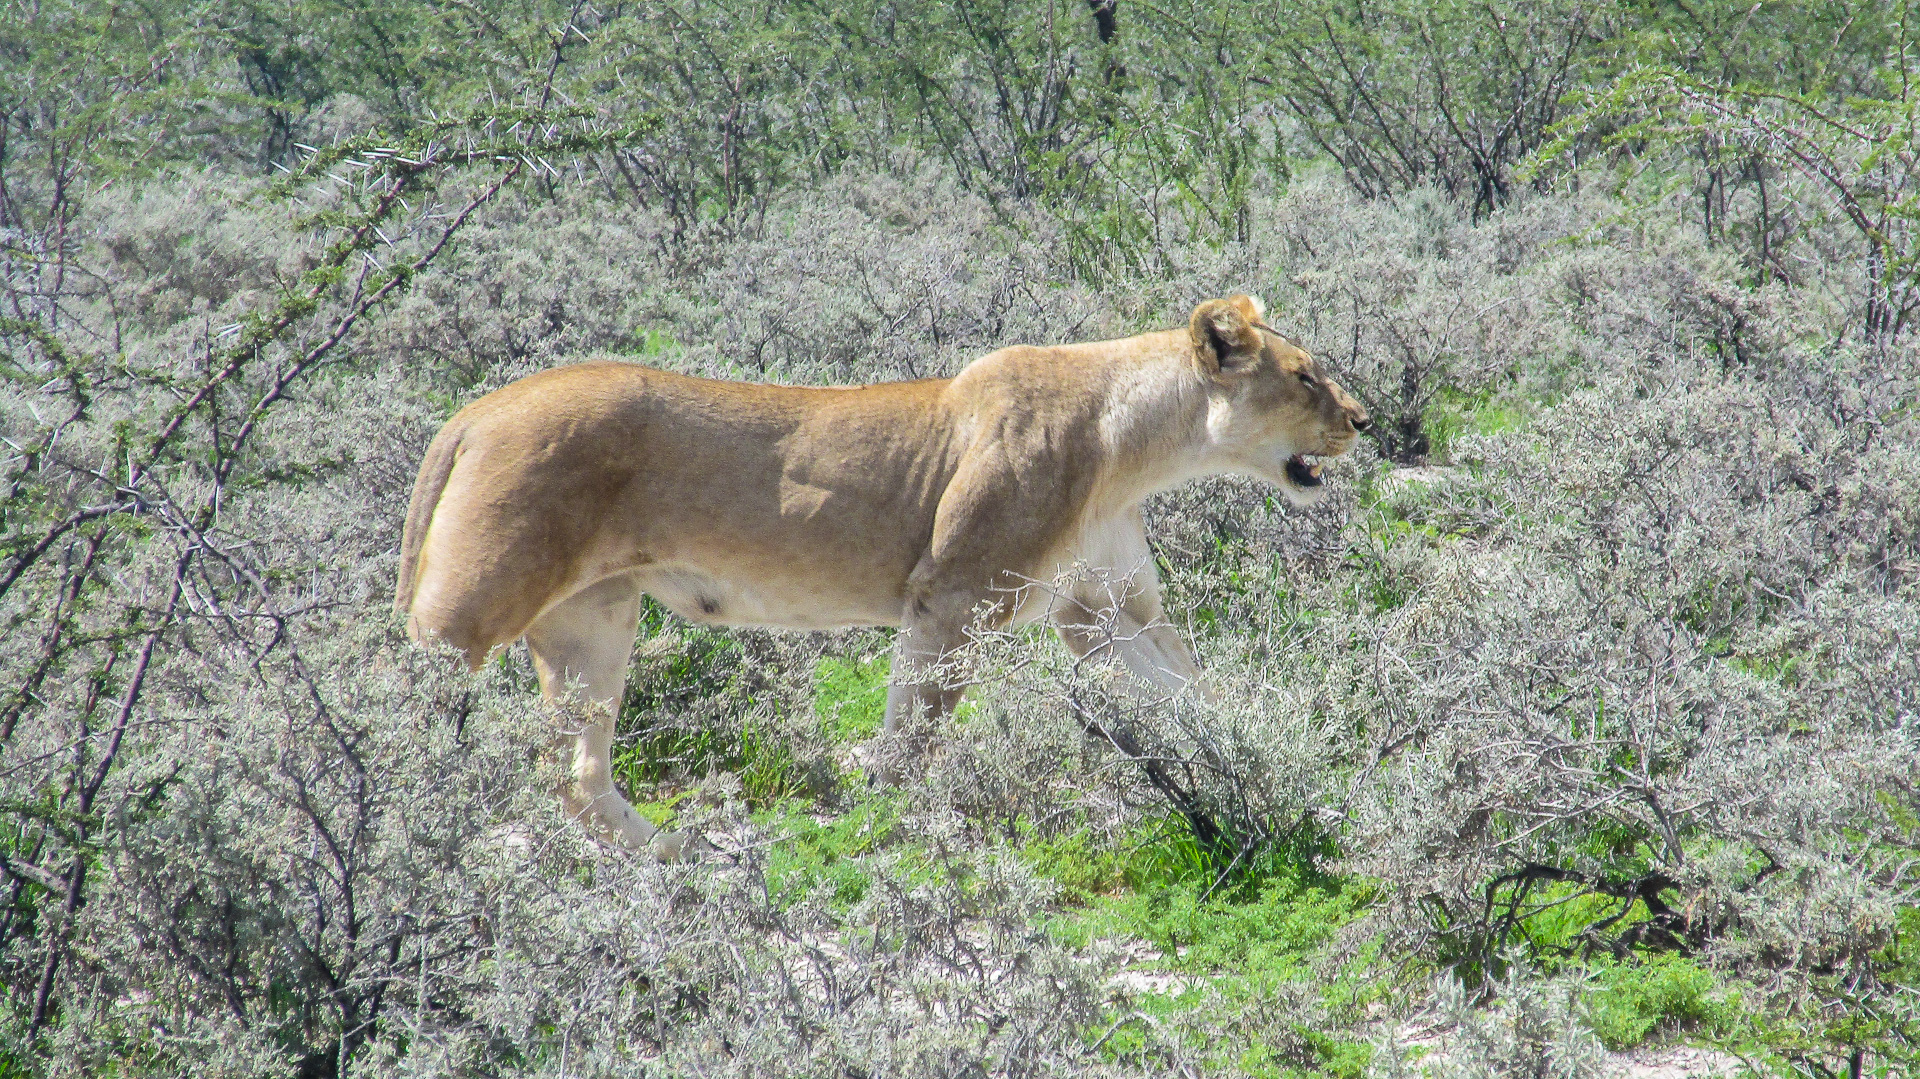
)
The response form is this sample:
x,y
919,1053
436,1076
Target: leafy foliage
x,y
1597,728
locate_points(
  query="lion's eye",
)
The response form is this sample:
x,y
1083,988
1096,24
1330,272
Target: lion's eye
x,y
1307,380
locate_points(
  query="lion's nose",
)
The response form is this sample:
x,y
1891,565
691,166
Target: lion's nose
x,y
1362,422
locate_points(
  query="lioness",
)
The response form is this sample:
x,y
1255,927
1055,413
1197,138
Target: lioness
x,y
547,508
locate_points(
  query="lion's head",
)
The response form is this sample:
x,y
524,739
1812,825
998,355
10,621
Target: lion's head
x,y
1273,409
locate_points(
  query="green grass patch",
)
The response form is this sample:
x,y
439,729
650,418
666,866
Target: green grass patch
x,y
1454,414
1902,956
1560,915
850,696
677,667
648,344
686,716
1083,867
1292,1051
1163,855
661,811
1634,1000
1236,943
762,760
1240,955
815,852
1273,934
1157,891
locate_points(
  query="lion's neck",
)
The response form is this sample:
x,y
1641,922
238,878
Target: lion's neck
x,y
1154,424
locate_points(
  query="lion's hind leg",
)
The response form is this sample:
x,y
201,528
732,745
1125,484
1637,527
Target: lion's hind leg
x,y
580,650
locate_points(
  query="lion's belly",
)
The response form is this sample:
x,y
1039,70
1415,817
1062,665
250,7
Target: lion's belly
x,y
777,601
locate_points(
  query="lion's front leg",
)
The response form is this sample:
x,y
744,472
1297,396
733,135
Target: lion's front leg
x,y
924,683
994,518
1136,634
927,680
1115,611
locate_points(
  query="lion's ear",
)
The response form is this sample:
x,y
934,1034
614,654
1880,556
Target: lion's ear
x,y
1224,338
1250,306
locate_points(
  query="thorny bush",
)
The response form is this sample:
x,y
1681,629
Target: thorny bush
x,y
1646,644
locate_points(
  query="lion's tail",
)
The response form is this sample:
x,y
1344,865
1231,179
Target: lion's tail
x,y
434,469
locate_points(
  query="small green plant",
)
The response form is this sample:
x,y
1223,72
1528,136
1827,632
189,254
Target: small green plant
x,y
1084,867
1453,414
1272,935
850,696
815,852
1562,912
1164,890
1308,1053
685,715
650,344
660,812
1633,1000
1232,951
753,751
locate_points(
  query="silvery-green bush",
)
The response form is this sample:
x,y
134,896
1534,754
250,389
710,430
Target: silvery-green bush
x,y
1651,639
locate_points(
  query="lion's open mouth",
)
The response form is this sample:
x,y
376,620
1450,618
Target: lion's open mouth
x,y
1303,472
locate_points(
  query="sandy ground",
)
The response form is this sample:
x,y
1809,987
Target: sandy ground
x,y
1678,1062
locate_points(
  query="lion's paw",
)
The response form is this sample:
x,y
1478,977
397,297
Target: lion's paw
x,y
680,847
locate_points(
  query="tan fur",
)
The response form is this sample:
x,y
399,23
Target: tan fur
x,y
547,508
